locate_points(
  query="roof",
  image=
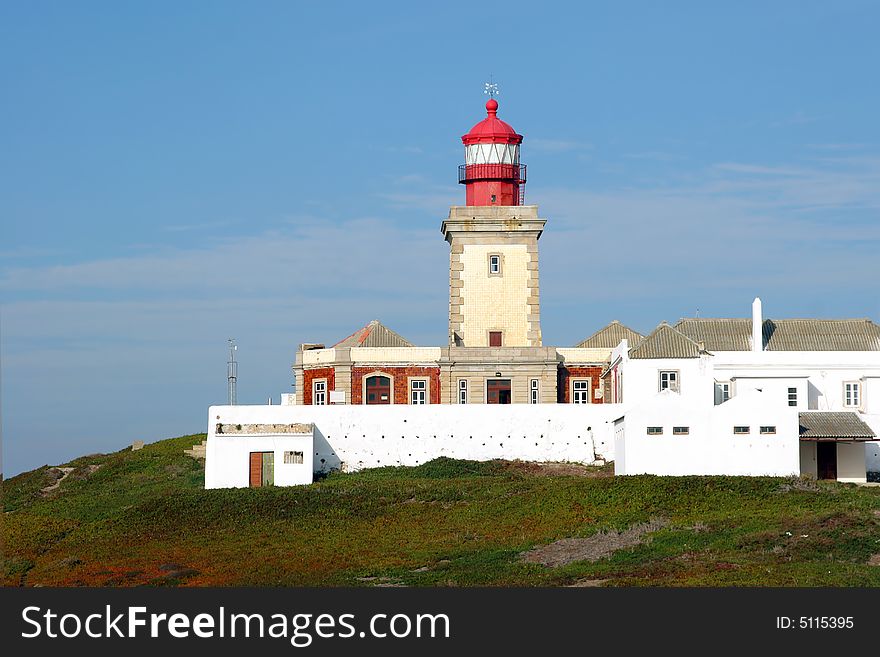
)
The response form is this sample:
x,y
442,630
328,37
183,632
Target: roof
x,y
374,334
784,334
666,342
833,425
492,129
610,336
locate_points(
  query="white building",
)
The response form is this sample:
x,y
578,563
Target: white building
x,y
826,370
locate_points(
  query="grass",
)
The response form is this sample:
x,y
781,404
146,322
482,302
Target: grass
x,y
143,518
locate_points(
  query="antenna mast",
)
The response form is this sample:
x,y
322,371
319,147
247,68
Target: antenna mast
x,y
231,373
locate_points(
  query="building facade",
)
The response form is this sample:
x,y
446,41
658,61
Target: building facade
x,y
826,370
742,396
495,352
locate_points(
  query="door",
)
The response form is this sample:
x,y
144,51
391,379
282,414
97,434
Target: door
x,y
498,391
378,390
268,478
262,469
826,460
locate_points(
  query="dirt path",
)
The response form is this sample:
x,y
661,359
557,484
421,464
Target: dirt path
x,y
603,544
64,473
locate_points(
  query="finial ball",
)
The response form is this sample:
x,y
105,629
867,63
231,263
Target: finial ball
x,y
492,105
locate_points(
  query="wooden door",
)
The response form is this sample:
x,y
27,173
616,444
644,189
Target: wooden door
x,y
268,478
378,390
256,469
262,469
826,460
498,391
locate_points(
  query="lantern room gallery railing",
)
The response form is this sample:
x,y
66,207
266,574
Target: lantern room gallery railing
x,y
513,172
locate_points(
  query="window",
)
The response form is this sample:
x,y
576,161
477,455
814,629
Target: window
x,y
462,391
494,338
319,392
852,394
534,390
418,391
722,392
768,429
669,380
293,458
792,396
740,430
680,431
495,265
580,391
655,431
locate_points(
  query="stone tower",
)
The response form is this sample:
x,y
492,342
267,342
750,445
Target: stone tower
x,y
493,240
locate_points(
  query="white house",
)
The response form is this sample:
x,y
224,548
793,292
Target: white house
x,y
812,366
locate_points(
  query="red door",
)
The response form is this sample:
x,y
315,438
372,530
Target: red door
x,y
498,391
378,390
256,478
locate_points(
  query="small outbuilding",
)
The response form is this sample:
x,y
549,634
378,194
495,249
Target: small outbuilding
x,y
833,445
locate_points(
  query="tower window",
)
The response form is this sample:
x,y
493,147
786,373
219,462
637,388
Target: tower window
x,y
494,265
534,391
494,338
493,198
792,396
462,391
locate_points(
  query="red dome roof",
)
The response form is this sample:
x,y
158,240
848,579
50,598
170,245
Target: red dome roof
x,y
492,130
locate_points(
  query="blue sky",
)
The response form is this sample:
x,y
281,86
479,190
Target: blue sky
x,y
173,174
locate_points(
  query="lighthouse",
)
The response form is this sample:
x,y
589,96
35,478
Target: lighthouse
x,y
493,244
492,173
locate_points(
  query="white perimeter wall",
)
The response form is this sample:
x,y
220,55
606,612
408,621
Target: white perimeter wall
x,y
357,437
711,447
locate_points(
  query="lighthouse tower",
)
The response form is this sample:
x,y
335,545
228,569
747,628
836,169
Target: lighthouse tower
x,y
492,173
493,239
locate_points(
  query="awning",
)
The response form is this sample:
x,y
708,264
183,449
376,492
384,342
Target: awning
x,y
834,425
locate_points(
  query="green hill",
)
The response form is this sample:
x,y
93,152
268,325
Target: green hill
x,y
142,517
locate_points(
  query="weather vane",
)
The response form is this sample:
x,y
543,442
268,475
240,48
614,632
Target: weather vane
x,y
491,89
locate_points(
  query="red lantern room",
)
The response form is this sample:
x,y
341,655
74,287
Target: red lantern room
x,y
492,174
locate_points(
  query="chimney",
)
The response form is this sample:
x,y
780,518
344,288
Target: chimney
x,y
757,326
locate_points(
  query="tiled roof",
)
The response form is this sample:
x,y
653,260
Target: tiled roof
x,y
831,425
821,335
718,334
784,334
610,336
374,334
666,342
